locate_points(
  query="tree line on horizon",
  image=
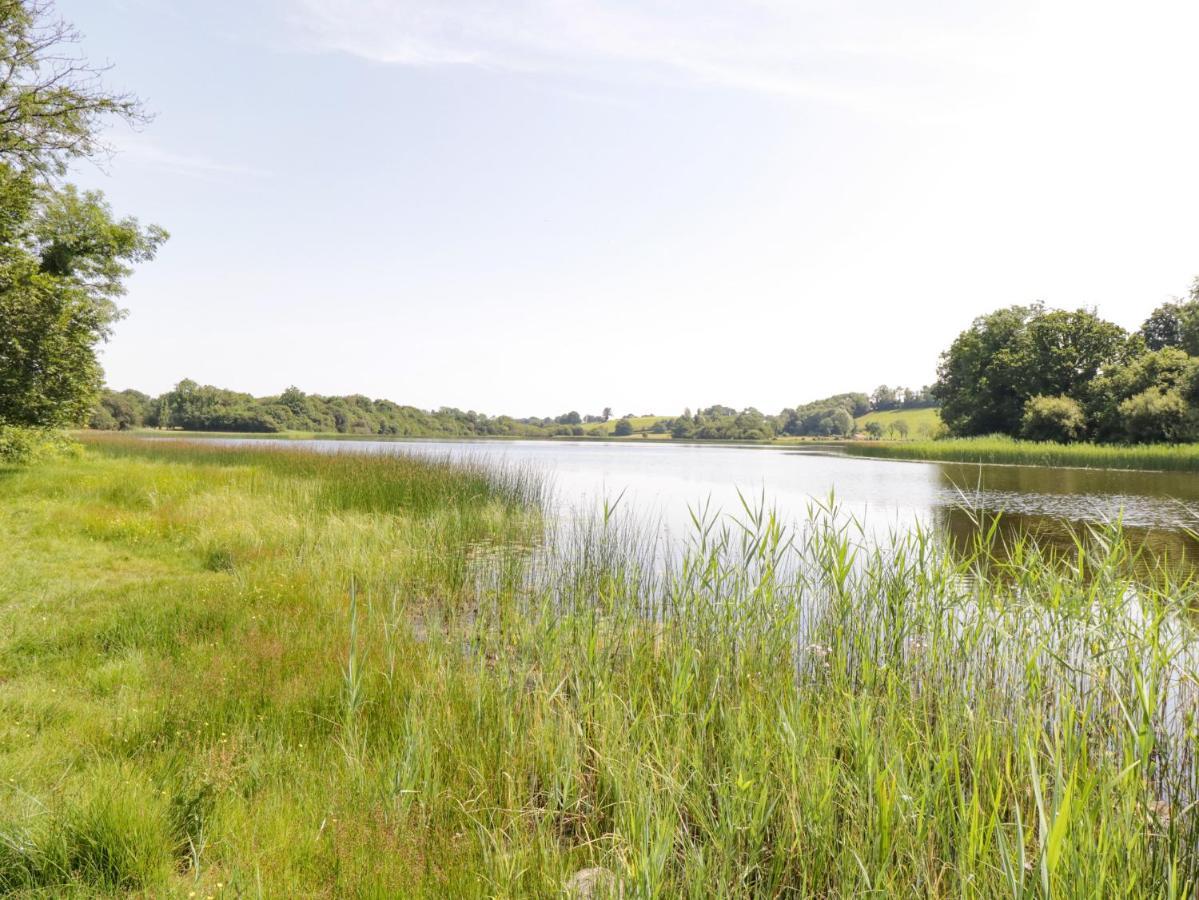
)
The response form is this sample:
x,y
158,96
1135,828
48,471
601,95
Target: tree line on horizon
x,y
1023,371
1068,375
194,407
830,417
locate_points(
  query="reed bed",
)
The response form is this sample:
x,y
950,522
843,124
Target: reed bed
x,y
355,702
370,482
1002,450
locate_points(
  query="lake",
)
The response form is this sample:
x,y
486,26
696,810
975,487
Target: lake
x,y
661,482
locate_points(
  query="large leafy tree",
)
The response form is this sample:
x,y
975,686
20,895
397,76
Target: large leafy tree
x,y
64,258
1163,328
1174,324
1004,359
1065,351
980,380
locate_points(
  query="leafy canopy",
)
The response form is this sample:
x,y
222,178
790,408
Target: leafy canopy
x,y
64,257
1067,375
1004,359
53,102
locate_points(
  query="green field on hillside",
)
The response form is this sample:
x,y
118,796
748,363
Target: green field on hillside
x,y
640,424
922,423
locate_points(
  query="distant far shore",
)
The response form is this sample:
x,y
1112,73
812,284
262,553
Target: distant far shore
x,y
996,450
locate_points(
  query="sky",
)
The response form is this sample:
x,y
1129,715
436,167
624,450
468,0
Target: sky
x,y
534,206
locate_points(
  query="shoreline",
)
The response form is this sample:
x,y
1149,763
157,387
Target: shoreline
x,y
887,451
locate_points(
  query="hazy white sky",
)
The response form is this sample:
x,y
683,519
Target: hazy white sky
x,y
530,206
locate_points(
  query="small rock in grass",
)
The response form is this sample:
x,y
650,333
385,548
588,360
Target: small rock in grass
x,y
592,884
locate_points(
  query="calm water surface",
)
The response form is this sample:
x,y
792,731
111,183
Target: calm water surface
x,y
662,481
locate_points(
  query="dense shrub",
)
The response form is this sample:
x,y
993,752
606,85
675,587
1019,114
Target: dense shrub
x,y
1156,415
1052,419
25,445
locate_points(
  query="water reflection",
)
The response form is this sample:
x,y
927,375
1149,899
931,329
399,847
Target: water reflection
x,y
663,482
1060,537
1142,499
1056,509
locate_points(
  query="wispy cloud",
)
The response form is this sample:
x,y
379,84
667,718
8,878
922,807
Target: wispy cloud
x,y
812,49
143,151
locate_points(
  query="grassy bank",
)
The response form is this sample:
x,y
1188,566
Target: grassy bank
x,y
1006,451
266,673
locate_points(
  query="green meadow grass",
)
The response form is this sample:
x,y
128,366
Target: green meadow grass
x,y
640,424
267,673
1004,450
922,423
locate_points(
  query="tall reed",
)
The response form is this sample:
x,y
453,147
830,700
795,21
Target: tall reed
x,y
404,699
1004,450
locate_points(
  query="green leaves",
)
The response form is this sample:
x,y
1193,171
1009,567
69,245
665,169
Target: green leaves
x,y
61,270
75,236
1068,375
53,103
64,258
1053,818
1052,419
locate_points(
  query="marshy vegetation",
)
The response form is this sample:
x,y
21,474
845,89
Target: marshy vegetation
x,y
1002,450
260,672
